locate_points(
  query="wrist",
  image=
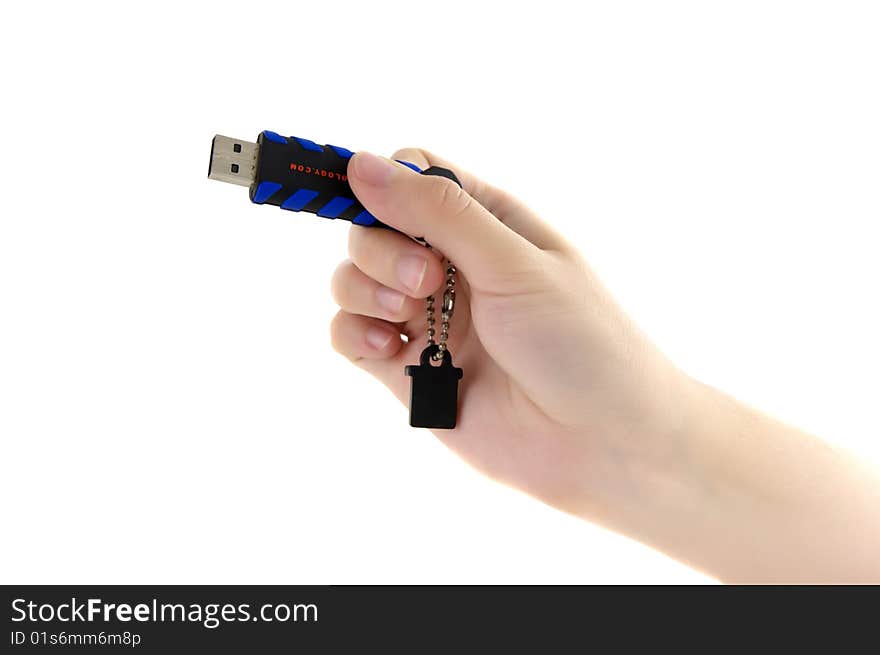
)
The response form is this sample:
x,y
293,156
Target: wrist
x,y
645,478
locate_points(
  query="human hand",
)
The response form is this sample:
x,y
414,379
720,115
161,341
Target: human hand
x,y
562,396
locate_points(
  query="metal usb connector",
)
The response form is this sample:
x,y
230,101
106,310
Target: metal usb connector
x,y
233,160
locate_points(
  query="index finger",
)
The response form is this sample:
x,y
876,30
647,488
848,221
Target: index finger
x,y
505,207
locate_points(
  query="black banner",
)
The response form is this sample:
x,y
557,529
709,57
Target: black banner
x,y
259,619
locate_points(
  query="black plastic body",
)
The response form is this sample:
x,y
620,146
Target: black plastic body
x,y
433,396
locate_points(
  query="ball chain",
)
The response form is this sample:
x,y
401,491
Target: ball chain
x,y
446,311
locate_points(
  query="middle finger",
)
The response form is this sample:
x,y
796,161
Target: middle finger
x,y
395,260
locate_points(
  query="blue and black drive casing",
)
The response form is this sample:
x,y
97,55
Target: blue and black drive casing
x,y
299,175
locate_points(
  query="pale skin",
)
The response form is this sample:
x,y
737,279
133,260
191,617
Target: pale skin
x,y
566,399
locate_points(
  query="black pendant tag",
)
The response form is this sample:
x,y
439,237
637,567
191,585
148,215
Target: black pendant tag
x,y
433,396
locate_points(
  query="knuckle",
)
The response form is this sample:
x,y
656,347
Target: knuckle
x,y
449,198
338,283
365,246
336,332
355,239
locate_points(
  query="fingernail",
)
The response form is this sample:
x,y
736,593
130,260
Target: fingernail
x,y
389,299
373,170
377,337
411,271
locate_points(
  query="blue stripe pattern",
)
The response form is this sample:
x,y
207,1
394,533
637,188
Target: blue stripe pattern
x,y
409,165
299,199
335,207
265,191
272,136
309,145
364,218
345,153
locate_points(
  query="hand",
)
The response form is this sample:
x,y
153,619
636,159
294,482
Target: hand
x,y
562,396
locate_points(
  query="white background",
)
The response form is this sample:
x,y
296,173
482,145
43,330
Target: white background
x,y
170,406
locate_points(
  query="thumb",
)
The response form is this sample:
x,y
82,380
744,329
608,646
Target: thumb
x,y
436,208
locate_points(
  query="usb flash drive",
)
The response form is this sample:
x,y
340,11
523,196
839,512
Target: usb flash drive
x,y
296,174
